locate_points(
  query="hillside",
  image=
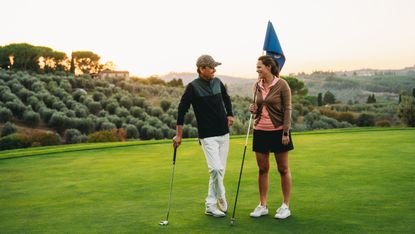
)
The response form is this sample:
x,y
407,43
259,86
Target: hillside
x,y
353,86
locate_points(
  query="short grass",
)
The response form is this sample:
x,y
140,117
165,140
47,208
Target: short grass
x,y
343,182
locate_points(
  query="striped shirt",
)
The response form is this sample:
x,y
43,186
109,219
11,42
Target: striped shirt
x,y
265,123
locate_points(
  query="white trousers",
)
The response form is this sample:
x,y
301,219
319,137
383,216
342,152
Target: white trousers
x,y
216,153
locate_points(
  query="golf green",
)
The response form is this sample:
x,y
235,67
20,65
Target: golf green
x,y
348,181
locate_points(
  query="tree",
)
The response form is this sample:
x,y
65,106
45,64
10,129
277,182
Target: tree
x,y
86,62
413,92
175,83
165,105
329,98
365,120
371,99
297,87
8,129
23,56
72,66
406,111
320,99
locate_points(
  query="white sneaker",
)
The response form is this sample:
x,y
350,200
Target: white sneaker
x,y
259,211
223,204
213,211
282,212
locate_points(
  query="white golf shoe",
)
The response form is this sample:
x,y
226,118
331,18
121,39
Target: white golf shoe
x,y
259,211
283,212
223,204
215,212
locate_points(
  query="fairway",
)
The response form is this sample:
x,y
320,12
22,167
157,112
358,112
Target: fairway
x,y
351,181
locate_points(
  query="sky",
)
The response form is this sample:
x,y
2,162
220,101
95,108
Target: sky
x,y
155,37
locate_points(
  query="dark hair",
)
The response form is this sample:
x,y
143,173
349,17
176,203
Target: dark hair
x,y
269,61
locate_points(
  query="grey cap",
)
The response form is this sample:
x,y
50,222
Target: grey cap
x,y
206,61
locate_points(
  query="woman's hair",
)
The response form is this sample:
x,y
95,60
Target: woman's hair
x,y
269,61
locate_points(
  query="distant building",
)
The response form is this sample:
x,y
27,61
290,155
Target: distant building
x,y
108,73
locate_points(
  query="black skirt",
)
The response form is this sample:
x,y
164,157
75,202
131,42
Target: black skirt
x,y
270,141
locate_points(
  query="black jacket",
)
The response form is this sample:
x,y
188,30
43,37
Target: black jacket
x,y
209,100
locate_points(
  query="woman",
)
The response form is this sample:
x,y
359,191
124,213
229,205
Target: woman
x,y
272,110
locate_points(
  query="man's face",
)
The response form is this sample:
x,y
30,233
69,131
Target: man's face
x,y
207,73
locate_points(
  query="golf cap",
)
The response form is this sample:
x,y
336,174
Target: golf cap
x,y
206,61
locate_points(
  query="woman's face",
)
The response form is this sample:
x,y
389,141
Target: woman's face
x,y
263,71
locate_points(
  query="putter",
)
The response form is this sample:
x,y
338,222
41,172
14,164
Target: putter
x,y
242,164
166,222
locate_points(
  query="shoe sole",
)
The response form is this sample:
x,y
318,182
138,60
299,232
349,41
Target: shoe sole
x,y
213,215
282,218
258,216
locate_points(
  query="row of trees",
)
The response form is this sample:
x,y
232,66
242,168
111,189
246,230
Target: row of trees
x,y
40,59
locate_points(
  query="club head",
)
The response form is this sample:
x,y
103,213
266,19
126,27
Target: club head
x,y
232,221
164,223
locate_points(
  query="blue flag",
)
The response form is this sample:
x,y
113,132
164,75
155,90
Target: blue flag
x,y
272,46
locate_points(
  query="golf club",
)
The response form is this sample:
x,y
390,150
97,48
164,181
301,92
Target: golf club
x,y
166,222
242,164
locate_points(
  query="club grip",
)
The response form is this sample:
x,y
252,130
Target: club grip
x,y
174,155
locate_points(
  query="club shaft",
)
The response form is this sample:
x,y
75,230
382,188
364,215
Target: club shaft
x,y
171,184
242,166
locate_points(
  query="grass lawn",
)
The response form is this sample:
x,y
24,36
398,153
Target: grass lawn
x,y
343,182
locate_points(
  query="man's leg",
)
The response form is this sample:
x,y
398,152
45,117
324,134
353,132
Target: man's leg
x,y
223,155
210,148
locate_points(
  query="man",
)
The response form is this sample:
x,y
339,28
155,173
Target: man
x,y
209,99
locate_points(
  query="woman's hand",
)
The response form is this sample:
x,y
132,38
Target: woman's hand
x,y
253,108
285,140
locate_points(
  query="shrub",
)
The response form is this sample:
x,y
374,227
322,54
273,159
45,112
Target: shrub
x,y
139,101
111,107
46,113
126,102
5,114
79,95
98,96
156,111
72,136
85,125
165,105
58,105
45,138
115,120
107,126
122,112
17,107
14,141
147,132
94,107
102,136
132,132
8,96
59,121
137,112
8,128
383,123
406,111
365,120
35,103
81,111
346,116
37,86
120,134
31,118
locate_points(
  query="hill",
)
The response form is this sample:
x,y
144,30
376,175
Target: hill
x,y
353,86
